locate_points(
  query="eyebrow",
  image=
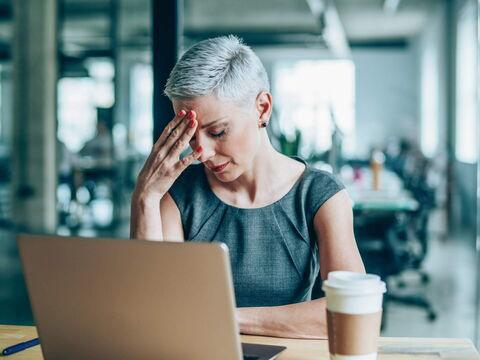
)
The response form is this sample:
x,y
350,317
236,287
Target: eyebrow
x,y
213,122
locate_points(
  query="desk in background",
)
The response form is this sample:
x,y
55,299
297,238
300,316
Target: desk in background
x,y
389,348
390,197
376,201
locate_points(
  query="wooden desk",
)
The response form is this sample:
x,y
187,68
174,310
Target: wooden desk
x,y
389,348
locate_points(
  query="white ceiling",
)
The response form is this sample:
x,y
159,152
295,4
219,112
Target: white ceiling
x,y
248,15
366,19
363,20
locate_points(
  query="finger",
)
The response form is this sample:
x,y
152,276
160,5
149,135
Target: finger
x,y
152,162
171,126
161,150
178,139
152,157
182,164
181,143
178,131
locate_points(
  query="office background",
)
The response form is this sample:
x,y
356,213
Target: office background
x,y
358,85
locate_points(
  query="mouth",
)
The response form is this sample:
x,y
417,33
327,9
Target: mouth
x,y
220,168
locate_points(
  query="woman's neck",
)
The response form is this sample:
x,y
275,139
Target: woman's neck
x,y
259,183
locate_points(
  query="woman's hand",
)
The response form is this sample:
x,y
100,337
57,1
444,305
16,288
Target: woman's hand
x,y
163,165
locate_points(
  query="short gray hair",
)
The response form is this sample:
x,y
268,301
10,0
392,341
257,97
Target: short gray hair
x,y
222,66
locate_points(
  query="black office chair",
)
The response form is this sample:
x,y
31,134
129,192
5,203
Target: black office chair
x,y
413,168
393,242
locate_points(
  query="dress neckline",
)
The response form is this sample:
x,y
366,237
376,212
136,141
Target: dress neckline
x,y
292,189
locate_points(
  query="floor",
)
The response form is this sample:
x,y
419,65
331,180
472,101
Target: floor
x,y
451,265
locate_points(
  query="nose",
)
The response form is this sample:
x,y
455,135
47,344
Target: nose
x,y
208,148
207,153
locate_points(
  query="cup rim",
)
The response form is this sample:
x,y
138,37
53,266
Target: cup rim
x,y
354,283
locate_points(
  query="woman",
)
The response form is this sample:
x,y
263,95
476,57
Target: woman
x,y
281,219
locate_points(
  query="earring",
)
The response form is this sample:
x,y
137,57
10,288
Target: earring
x,y
264,124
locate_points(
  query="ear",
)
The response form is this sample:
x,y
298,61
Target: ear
x,y
263,105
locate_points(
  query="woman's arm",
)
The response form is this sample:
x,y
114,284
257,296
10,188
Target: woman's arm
x,y
145,221
155,219
303,321
152,208
335,238
333,225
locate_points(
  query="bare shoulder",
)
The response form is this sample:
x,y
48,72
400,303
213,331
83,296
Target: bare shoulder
x,y
337,208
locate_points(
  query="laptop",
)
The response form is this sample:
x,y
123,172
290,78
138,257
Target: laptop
x,y
133,299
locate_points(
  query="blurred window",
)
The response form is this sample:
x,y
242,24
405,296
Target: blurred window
x,y
2,117
2,112
78,100
466,76
311,96
102,71
76,112
141,83
429,101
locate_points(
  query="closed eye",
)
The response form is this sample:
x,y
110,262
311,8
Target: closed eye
x,y
217,135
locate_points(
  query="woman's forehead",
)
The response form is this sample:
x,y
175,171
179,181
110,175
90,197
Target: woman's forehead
x,y
199,102
207,108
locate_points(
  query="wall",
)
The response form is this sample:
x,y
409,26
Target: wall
x,y
386,95
464,181
434,112
433,51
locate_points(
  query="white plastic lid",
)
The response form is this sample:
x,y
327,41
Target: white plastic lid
x,y
353,283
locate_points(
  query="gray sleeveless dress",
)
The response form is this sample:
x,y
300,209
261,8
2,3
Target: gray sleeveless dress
x,y
273,249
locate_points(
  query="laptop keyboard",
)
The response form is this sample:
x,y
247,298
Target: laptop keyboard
x,y
260,351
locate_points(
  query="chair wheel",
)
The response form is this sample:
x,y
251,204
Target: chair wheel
x,y
432,316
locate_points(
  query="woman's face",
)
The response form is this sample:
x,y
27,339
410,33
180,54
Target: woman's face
x,y
228,134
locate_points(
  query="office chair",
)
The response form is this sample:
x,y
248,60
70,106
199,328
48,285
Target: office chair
x,y
414,168
393,242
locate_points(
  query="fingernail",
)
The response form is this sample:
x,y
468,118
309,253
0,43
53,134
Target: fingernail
x,y
181,113
190,114
191,124
199,149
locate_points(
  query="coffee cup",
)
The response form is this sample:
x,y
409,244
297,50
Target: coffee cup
x,y
354,314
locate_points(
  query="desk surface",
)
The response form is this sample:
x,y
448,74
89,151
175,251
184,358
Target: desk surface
x,y
389,348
